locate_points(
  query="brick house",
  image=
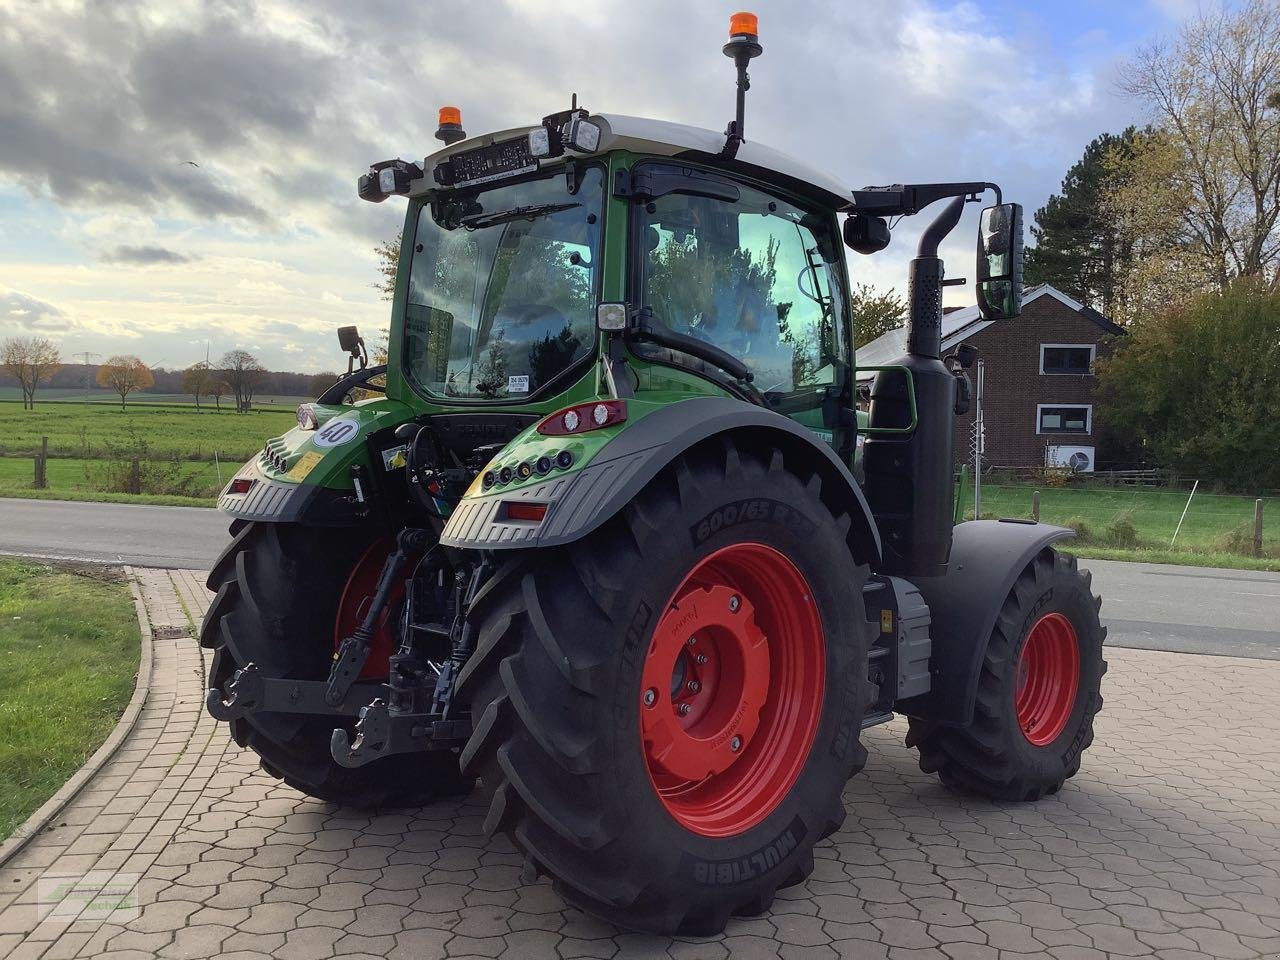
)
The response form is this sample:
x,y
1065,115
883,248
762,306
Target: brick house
x,y
1040,402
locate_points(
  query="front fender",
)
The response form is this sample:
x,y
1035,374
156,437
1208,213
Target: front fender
x,y
305,475
579,502
987,557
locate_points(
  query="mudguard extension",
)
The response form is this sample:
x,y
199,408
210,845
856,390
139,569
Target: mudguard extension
x,y
580,502
986,558
273,501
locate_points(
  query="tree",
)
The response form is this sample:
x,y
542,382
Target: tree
x,y
1212,95
31,361
321,382
217,388
124,374
1079,246
243,371
875,314
1200,384
195,380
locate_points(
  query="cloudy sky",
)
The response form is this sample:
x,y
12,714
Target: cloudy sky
x,y
111,242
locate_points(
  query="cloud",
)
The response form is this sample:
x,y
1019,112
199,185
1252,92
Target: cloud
x,y
145,255
283,103
29,314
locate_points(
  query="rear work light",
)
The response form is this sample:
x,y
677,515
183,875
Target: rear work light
x,y
583,417
530,512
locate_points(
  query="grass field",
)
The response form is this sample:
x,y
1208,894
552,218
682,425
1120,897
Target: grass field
x,y
90,429
77,479
69,644
74,395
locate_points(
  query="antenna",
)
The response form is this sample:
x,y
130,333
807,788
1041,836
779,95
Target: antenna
x,y
743,47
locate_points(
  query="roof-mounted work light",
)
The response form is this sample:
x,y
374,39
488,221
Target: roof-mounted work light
x,y
743,47
387,178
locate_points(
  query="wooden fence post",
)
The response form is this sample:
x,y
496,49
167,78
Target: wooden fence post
x,y
42,465
1257,527
1035,505
135,477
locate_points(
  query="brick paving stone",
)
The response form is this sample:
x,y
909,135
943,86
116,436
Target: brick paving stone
x,y
1166,845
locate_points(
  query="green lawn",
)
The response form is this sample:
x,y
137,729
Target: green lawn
x,y
97,395
77,479
69,648
80,429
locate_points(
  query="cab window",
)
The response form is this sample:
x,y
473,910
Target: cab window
x,y
756,277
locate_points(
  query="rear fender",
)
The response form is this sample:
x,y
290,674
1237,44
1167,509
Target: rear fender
x,y
987,557
579,502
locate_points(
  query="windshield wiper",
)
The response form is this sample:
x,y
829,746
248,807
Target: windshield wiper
x,y
532,212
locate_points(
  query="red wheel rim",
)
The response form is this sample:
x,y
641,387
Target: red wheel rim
x,y
357,595
731,691
1048,677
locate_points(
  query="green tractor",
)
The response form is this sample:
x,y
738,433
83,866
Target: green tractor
x,y
600,546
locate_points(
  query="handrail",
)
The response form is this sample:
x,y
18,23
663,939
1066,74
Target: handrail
x,y
911,400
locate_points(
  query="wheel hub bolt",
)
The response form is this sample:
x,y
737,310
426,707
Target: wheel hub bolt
x,y
735,744
691,641
694,686
734,603
650,697
700,659
684,709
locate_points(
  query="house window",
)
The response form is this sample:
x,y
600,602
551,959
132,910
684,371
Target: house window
x,y
1055,418
1067,358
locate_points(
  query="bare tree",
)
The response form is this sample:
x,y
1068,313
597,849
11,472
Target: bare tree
x,y
1212,92
243,372
31,361
217,388
195,380
124,374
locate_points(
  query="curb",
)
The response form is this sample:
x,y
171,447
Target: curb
x,y
36,823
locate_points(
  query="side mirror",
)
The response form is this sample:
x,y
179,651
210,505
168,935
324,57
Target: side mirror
x,y
1000,262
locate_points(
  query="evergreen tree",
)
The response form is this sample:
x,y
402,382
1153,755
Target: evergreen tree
x,y
1078,246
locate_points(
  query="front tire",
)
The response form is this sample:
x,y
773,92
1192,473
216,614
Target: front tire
x,y
657,804
281,589
1038,692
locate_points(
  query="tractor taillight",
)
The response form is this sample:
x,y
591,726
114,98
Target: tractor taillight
x,y
529,512
240,486
583,417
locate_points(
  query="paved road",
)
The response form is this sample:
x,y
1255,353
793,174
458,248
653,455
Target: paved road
x,y
174,537
1145,605
1165,846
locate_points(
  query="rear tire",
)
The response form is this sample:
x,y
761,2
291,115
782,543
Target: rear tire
x,y
564,676
1038,693
278,589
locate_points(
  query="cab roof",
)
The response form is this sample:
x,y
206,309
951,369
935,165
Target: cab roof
x,y
663,138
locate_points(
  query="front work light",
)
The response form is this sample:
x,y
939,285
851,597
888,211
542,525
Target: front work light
x,y
611,317
307,419
539,142
387,178
581,134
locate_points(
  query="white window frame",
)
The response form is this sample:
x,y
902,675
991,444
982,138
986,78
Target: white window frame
x,y
1093,355
1088,420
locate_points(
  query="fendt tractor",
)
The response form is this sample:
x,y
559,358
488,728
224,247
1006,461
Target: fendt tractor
x,y
599,543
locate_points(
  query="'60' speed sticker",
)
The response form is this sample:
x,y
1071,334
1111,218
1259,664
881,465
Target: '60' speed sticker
x,y
336,432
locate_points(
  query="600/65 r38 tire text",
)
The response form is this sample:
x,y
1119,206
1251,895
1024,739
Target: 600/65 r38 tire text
x,y
1038,693
285,593
667,711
